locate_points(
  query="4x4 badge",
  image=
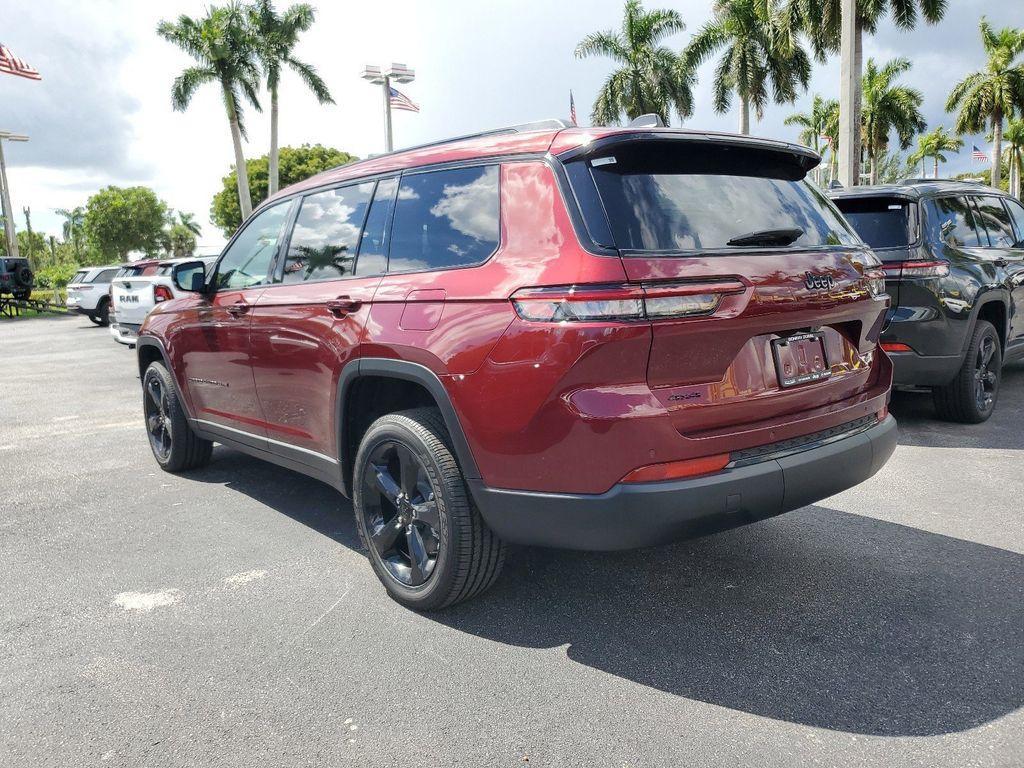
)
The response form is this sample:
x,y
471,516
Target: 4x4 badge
x,y
819,282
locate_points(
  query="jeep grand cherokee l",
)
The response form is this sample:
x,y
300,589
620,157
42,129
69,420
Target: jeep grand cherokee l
x,y
953,255
593,339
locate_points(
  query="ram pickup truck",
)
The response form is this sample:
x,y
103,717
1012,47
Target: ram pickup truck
x,y
136,289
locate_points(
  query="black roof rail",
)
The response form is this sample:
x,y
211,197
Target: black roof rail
x,y
552,124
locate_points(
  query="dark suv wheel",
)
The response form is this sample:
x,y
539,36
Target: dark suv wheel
x,y
102,314
427,543
175,446
971,397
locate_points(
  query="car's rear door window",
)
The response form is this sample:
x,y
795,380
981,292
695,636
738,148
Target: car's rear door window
x,y
1017,214
691,196
325,237
996,221
954,223
105,276
445,219
881,222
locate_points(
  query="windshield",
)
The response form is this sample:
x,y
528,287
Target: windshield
x,y
712,197
881,222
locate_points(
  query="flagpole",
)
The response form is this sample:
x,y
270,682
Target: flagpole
x,y
9,233
388,139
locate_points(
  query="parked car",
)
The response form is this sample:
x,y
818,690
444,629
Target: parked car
x,y
953,254
136,289
16,277
88,293
584,338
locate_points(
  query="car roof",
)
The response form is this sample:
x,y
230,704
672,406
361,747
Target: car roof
x,y
914,188
554,137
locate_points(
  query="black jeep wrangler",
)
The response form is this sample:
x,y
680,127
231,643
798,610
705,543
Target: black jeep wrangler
x,y
16,277
953,254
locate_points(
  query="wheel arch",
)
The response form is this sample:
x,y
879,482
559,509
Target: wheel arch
x,y
993,306
149,349
417,383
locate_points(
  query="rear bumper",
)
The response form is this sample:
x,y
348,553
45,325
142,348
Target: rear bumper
x,y
912,369
644,514
124,333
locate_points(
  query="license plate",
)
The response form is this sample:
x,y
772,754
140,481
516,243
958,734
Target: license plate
x,y
800,359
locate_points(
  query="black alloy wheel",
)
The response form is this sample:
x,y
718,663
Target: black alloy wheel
x,y
158,419
986,380
401,514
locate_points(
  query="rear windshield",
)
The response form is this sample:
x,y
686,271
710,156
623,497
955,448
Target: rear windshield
x,y
693,197
881,222
79,276
138,271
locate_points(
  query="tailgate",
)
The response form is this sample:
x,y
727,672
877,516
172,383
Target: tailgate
x,y
133,299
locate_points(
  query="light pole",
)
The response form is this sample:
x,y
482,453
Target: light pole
x,y
399,73
5,198
849,146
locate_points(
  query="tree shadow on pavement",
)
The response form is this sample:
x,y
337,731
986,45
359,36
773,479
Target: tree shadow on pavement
x,y
818,617
920,426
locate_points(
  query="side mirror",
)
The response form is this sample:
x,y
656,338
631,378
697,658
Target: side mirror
x,y
189,276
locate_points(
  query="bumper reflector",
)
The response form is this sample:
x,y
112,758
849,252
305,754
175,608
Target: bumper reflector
x,y
676,470
895,346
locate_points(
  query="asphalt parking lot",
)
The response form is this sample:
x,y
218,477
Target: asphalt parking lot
x,y
227,617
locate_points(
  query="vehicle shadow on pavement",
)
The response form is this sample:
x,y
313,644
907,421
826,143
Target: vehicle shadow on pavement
x,y
919,426
818,617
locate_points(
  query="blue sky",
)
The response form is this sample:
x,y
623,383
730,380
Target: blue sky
x,y
102,113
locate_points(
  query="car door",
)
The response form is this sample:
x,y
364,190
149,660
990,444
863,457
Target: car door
x,y
212,339
1014,255
309,321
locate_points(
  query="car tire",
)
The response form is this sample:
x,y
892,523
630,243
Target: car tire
x,y
175,446
102,314
971,397
409,496
21,295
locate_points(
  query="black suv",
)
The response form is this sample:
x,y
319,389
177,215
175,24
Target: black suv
x,y
15,277
953,254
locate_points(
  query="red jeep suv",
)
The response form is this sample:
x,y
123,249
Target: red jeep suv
x,y
583,338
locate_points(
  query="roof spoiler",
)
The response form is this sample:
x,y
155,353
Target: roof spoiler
x,y
650,120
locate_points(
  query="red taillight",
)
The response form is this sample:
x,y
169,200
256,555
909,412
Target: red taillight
x,y
675,470
908,270
895,346
883,413
604,303
162,293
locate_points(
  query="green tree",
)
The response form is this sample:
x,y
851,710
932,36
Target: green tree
x,y
888,108
817,125
762,58
1013,155
188,221
181,241
275,36
987,97
222,45
934,145
297,163
120,220
652,78
32,246
74,220
821,20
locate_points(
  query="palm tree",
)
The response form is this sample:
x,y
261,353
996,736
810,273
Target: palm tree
x,y
994,93
814,125
822,21
188,221
761,51
923,152
936,143
1014,153
74,220
652,78
220,42
888,108
275,35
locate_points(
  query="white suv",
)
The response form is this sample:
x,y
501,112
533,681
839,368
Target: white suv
x,y
89,293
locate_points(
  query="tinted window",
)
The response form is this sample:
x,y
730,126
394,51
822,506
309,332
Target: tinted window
x,y
79,275
881,222
373,252
996,221
105,276
1017,214
326,234
954,222
686,197
247,259
445,219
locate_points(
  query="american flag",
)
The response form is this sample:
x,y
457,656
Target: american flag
x,y
977,154
12,65
572,108
400,101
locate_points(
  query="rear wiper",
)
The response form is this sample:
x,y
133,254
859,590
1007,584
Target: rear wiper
x,y
786,236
